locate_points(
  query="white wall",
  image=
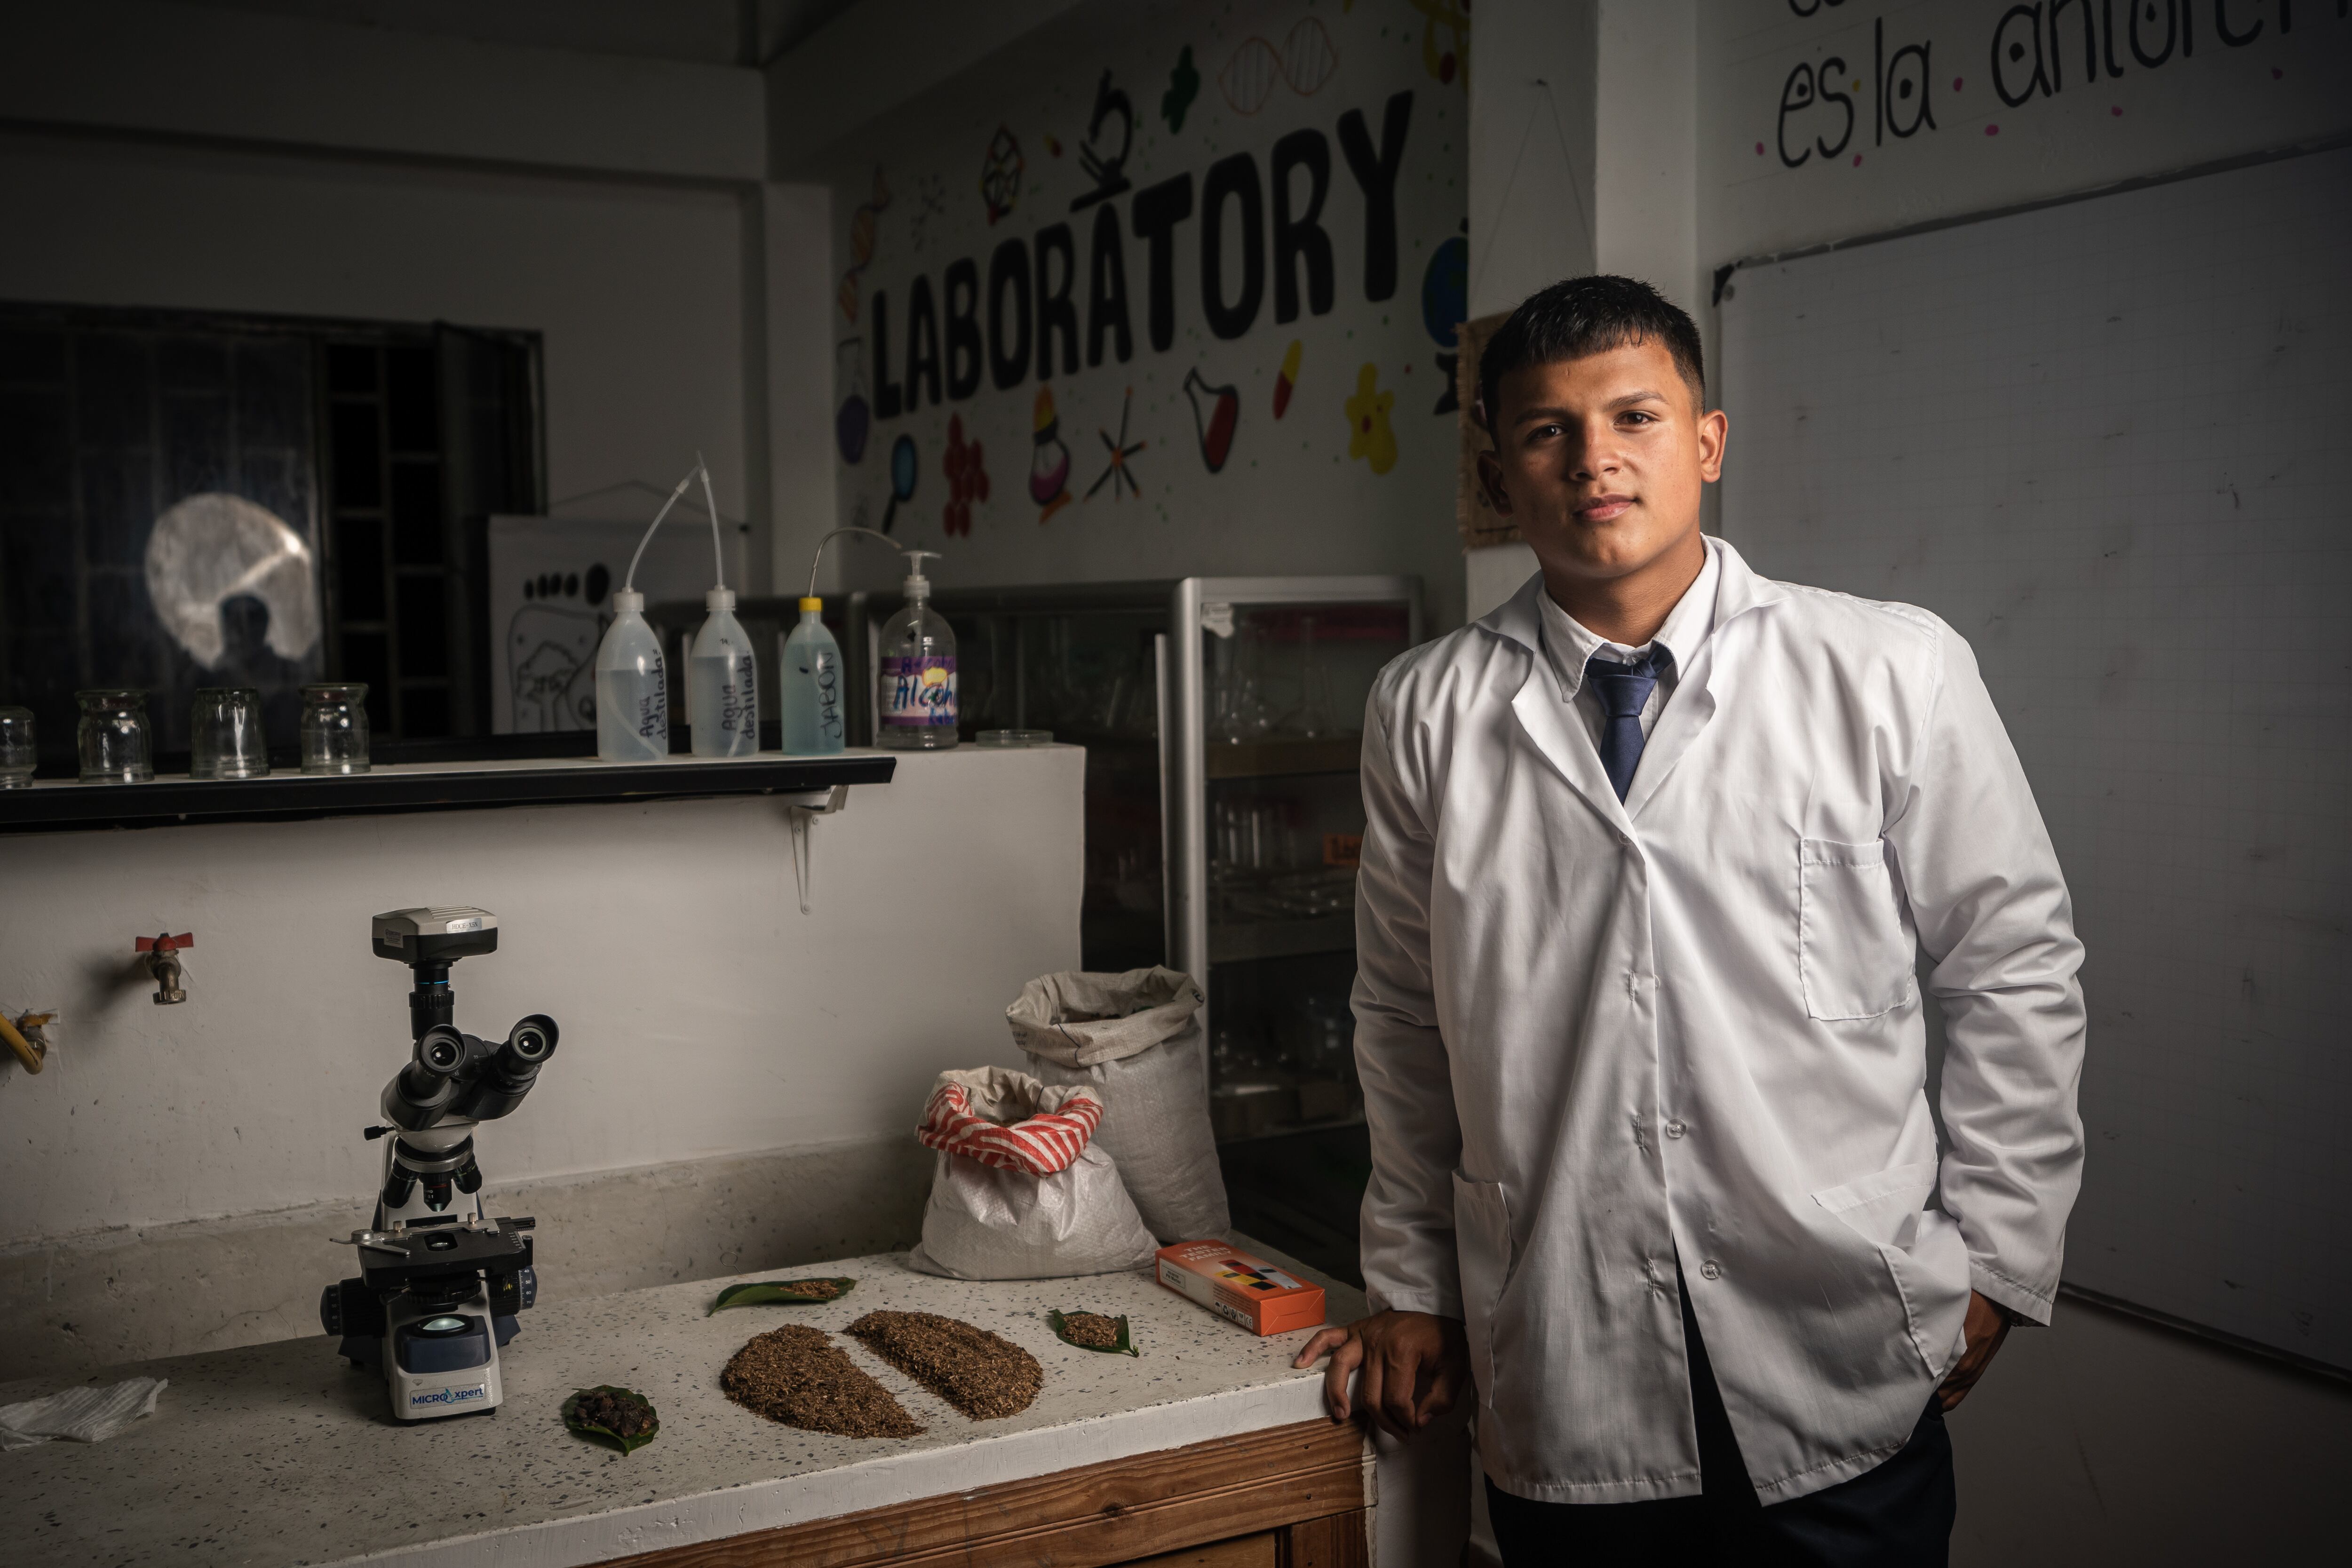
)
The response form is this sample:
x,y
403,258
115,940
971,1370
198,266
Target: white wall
x,y
636,288
702,1014
210,158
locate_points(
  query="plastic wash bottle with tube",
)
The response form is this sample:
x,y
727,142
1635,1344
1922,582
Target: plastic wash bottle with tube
x,y
632,686
808,687
722,683
914,688
632,681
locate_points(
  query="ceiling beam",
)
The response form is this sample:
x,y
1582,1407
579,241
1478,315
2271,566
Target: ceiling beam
x,y
171,70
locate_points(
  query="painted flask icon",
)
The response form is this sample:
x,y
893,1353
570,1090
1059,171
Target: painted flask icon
x,y
1215,423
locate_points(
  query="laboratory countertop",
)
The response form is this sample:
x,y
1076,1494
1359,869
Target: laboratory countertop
x,y
282,1453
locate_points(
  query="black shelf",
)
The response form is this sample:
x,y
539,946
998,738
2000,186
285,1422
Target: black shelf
x,y
1276,759
424,786
1237,941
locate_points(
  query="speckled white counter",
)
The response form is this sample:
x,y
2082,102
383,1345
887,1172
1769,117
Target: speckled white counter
x,y
281,1454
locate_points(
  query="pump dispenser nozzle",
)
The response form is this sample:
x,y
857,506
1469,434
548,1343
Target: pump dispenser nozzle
x,y
917,584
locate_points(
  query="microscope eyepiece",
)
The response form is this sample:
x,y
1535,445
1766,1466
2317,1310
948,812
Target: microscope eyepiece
x,y
421,1093
532,1040
441,1050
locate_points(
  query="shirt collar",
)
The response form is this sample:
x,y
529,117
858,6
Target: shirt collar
x,y
1571,644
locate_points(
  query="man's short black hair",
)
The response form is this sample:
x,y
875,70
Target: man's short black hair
x,y
1581,316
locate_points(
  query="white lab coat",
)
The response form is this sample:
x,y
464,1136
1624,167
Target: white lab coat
x,y
1596,1038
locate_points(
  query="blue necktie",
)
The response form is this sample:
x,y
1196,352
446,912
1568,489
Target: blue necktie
x,y
1623,688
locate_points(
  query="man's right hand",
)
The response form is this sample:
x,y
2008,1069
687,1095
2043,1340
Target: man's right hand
x,y
1416,1364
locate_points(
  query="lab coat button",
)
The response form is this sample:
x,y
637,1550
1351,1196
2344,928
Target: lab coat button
x,y
1711,1270
1676,1129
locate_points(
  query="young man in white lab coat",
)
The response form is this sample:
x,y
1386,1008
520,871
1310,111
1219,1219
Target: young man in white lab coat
x,y
1650,852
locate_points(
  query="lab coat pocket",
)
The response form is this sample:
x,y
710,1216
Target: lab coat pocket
x,y
1853,950
1482,1241
1927,1262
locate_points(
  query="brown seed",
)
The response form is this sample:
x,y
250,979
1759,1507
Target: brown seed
x,y
1091,1328
812,1289
980,1373
797,1375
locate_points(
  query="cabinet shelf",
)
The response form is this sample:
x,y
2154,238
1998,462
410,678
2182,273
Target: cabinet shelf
x,y
1282,939
1272,759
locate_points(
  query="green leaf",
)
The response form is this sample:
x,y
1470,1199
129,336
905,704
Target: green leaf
x,y
1060,1323
606,1435
781,1293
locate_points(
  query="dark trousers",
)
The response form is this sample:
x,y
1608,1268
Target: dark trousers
x,y
1896,1515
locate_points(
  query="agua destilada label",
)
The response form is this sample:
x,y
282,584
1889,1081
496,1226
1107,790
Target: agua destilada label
x,y
919,690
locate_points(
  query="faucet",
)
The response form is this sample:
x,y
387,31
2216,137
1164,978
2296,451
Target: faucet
x,y
163,963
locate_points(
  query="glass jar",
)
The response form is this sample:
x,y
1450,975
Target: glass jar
x,y
17,753
224,738
112,736
335,728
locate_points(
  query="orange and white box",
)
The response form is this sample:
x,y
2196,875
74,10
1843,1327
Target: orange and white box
x,y
1249,1290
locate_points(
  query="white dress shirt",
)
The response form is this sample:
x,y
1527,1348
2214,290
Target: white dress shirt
x,y
1598,1037
1569,647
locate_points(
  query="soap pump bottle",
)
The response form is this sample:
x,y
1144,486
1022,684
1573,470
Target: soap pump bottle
x,y
632,686
722,700
915,690
808,687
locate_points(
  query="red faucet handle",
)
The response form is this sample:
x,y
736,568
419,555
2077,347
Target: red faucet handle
x,y
166,943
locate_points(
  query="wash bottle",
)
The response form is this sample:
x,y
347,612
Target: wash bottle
x,y
722,678
632,683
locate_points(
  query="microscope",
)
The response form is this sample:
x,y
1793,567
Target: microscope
x,y
440,1282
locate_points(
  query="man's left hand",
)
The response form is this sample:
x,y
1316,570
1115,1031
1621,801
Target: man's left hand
x,y
1988,1325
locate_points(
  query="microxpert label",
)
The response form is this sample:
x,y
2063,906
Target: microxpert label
x,y
472,1394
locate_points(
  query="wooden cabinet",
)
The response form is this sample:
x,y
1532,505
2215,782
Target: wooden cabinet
x,y
1294,1497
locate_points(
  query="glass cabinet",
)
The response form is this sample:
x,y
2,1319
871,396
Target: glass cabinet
x,y
1268,677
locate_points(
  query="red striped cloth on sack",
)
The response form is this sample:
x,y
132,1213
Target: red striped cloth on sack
x,y
1041,1144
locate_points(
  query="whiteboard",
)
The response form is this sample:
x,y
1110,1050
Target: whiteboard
x,y
2104,441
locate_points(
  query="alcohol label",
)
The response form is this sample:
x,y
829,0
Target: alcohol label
x,y
918,690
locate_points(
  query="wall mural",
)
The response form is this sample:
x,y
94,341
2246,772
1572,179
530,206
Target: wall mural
x,y
1195,268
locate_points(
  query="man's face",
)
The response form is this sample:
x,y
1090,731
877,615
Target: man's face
x,y
1600,460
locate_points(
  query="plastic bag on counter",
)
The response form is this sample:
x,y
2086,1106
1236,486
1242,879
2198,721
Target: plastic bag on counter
x,y
1021,1191
1136,1037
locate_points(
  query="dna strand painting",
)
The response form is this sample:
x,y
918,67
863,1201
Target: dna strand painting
x,y
1306,59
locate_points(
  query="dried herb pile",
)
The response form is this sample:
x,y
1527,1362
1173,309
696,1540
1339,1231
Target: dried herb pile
x,y
984,1375
1091,1330
797,1375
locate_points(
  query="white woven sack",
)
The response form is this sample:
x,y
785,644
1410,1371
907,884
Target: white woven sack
x,y
995,1221
1135,1038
